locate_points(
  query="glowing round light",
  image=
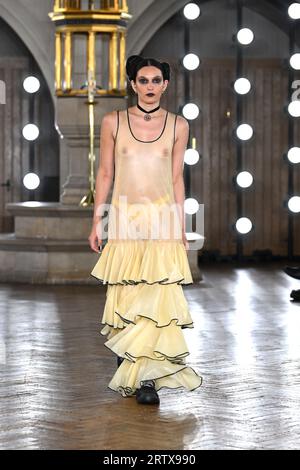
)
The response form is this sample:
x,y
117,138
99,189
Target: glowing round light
x,y
191,11
245,36
294,108
191,61
295,61
294,155
244,179
243,225
191,157
191,206
244,132
242,86
190,111
294,11
31,181
31,84
30,132
294,204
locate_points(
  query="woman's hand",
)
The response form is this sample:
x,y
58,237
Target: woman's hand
x,y
185,242
94,240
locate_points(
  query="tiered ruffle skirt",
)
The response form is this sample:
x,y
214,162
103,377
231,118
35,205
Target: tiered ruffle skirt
x,y
145,313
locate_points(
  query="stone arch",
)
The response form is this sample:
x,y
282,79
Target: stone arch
x,y
11,12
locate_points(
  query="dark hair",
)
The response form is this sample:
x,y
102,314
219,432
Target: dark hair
x,y
136,62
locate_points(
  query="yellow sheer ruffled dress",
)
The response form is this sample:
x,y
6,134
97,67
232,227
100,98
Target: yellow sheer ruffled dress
x,y
144,265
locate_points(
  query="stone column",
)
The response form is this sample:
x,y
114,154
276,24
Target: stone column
x,y
72,120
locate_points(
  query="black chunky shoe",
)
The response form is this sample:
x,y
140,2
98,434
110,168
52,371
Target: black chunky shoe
x,y
295,294
147,395
292,271
120,360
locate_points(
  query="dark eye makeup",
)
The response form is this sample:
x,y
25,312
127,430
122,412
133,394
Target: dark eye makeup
x,y
144,80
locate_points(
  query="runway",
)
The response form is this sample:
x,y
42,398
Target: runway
x,y
245,344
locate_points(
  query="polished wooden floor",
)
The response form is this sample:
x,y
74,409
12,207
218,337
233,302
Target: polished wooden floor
x,y
245,344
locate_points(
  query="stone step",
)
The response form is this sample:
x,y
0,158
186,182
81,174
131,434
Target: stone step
x,y
9,242
51,220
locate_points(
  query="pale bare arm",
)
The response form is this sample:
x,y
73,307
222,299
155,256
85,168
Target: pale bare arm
x,y
105,174
181,141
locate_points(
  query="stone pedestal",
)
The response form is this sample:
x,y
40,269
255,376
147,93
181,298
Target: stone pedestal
x,y
50,245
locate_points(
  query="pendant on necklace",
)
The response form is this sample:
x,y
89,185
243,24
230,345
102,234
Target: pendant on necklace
x,y
147,117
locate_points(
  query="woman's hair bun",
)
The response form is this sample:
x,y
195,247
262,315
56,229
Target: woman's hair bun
x,y
167,70
131,64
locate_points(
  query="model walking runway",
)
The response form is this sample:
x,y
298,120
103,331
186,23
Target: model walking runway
x,y
145,310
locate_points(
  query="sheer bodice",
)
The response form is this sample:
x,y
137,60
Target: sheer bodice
x,y
143,204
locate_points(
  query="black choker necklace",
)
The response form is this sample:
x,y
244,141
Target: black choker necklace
x,y
147,116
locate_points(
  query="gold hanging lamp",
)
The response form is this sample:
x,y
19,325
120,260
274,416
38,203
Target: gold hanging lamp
x,y
97,21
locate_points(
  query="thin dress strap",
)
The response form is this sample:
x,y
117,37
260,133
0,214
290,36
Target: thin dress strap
x,y
118,122
175,128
